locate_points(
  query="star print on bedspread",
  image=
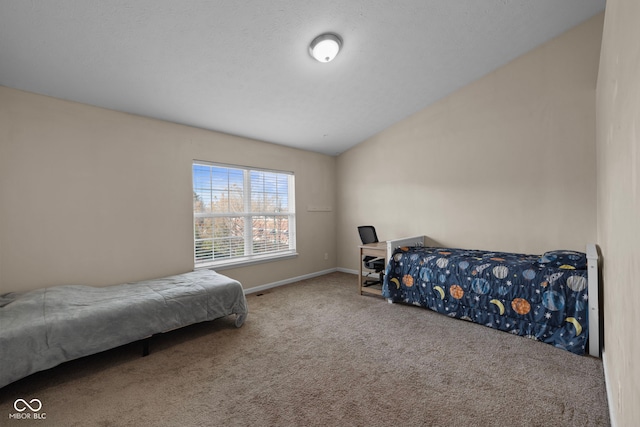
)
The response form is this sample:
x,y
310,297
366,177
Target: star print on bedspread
x,y
542,297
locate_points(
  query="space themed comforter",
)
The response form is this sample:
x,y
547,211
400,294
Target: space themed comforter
x,y
543,297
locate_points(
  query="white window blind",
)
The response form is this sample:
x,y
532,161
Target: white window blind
x,y
241,214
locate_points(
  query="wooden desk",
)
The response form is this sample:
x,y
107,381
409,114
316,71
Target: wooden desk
x,y
378,250
384,250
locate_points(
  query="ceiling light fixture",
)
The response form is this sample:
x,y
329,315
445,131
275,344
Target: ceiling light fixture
x,y
325,47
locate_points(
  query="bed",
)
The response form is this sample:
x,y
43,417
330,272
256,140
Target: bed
x,y
43,328
552,297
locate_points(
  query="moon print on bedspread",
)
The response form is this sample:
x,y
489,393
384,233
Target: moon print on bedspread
x,y
512,293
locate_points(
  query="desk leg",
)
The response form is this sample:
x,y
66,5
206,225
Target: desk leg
x,y
360,275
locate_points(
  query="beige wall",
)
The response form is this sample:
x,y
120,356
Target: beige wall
x,y
505,163
92,196
618,150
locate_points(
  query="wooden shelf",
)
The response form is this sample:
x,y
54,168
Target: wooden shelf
x,y
373,289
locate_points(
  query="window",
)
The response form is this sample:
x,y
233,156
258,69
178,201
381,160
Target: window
x,y
242,215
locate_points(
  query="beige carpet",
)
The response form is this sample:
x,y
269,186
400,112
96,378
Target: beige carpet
x,y
315,353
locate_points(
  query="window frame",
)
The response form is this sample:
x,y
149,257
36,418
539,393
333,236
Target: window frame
x,y
248,218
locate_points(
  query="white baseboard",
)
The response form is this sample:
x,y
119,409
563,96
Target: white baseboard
x,y
346,270
287,281
608,385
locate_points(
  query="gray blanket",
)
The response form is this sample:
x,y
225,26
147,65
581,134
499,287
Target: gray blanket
x,y
43,328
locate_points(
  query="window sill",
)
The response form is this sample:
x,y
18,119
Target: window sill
x,y
245,262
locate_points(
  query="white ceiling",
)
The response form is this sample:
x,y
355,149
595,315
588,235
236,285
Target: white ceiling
x,y
243,67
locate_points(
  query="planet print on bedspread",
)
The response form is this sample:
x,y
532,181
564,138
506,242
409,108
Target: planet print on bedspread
x,y
540,297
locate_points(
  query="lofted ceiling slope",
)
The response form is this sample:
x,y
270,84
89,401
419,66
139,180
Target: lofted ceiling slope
x,y
243,67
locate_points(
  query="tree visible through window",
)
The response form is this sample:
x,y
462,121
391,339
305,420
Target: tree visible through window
x,y
241,214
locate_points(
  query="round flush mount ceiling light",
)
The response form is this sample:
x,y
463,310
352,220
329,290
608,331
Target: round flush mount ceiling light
x,y
325,47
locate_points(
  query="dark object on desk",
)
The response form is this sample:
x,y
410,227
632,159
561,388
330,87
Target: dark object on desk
x,y
368,235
